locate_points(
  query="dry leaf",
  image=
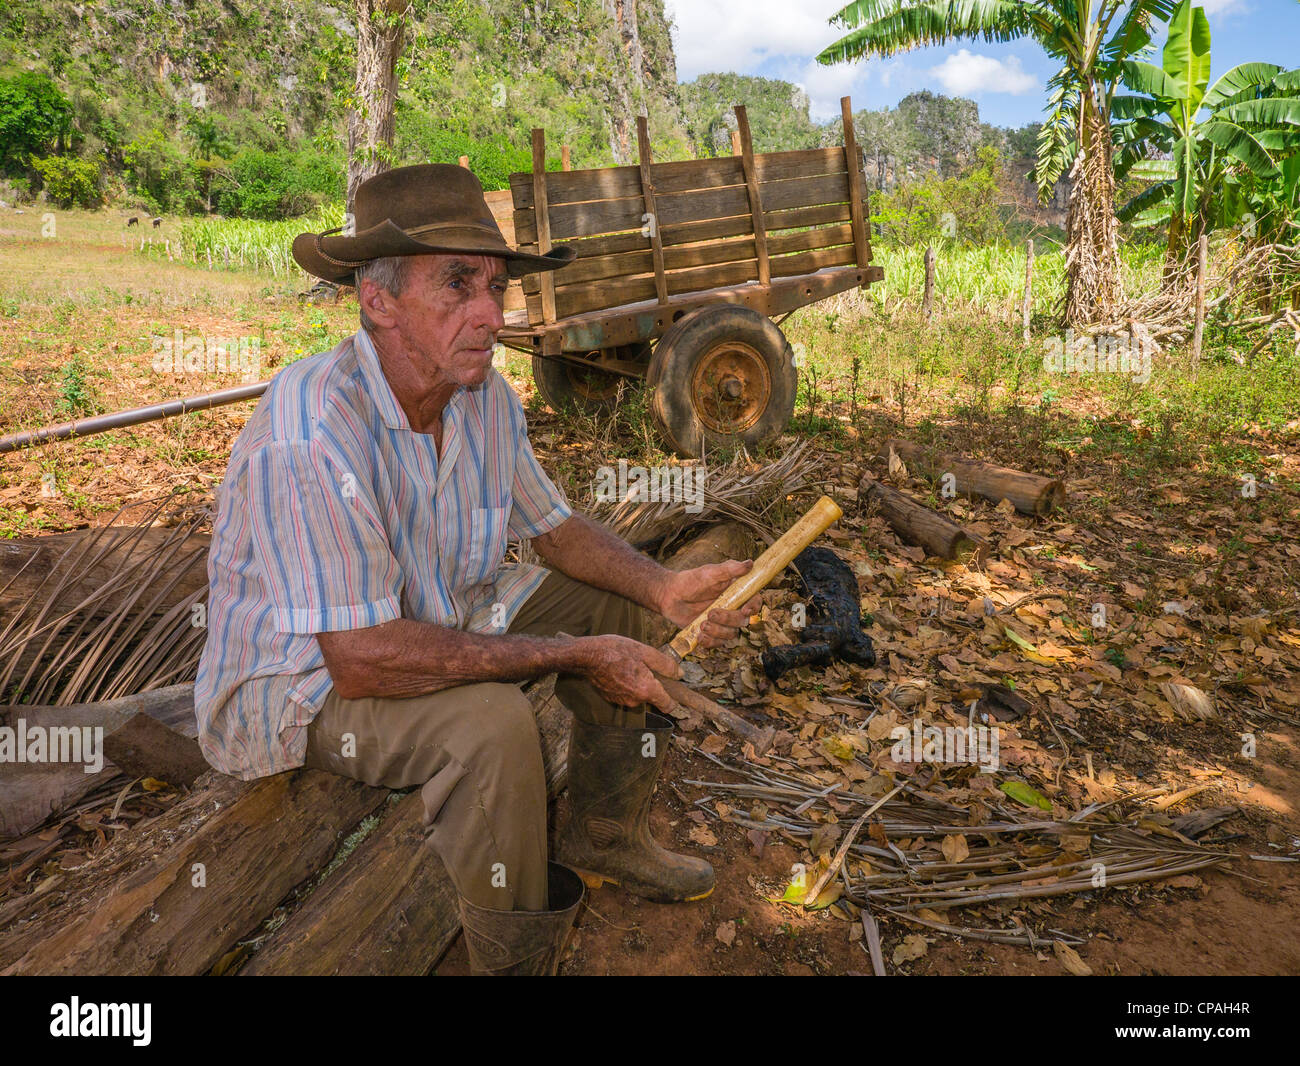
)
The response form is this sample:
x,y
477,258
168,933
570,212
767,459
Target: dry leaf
x,y
955,848
703,836
912,947
1069,958
726,933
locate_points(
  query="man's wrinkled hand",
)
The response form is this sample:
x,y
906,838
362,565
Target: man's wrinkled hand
x,y
689,592
623,671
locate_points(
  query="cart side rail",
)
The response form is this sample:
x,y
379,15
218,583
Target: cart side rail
x,y
657,230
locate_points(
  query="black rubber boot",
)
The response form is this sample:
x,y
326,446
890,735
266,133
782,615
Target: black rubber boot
x,y
523,943
612,772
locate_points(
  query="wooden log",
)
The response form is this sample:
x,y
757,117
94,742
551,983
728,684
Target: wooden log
x,y
716,544
144,747
172,897
31,792
1030,493
391,908
917,524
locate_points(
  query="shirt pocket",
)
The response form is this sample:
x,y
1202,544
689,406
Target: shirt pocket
x,y
488,530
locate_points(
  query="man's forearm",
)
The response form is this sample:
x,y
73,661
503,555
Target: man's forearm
x,y
405,658
589,552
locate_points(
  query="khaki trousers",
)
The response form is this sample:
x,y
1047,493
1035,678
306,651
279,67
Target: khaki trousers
x,y
475,751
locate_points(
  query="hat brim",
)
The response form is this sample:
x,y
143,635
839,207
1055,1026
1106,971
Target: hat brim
x,y
335,257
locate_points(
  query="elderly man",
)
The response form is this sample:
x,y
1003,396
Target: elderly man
x,y
361,620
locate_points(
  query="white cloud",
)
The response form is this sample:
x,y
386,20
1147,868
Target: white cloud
x,y
721,35
966,74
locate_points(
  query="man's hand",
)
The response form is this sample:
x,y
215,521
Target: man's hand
x,y
620,669
689,592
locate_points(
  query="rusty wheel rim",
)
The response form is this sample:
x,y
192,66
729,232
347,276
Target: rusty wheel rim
x,y
593,385
731,387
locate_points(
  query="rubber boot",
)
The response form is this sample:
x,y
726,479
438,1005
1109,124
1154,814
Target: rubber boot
x,y
523,943
612,772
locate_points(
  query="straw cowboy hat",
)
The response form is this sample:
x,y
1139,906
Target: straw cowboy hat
x,y
434,208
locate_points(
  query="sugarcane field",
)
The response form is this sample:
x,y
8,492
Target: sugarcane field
x,y
648,488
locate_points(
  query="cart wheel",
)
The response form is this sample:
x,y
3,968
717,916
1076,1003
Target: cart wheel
x,y
592,391
722,374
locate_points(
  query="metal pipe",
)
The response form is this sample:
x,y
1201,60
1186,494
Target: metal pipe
x,y
154,412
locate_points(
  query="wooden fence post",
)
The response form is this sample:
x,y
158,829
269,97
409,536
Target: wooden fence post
x,y
564,157
1202,263
1029,288
927,302
735,142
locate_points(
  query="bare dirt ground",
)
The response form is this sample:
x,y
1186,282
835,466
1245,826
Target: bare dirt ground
x,y
1199,581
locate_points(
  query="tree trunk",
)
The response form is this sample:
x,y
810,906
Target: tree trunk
x,y
381,31
1093,287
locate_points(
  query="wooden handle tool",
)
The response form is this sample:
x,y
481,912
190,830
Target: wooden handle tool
x,y
765,569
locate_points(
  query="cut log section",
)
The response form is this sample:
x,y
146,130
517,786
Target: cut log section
x,y
1030,493
391,908
31,792
917,524
171,898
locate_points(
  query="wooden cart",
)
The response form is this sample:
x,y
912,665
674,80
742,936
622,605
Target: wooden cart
x,y
681,269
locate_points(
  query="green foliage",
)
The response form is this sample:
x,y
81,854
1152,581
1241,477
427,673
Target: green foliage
x,y
964,210
69,182
34,117
1211,172
279,184
76,395
493,159
158,172
777,112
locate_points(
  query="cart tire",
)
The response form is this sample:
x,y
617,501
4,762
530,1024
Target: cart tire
x,y
593,392
721,376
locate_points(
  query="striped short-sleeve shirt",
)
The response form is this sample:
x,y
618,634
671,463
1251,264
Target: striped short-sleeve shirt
x,y
334,514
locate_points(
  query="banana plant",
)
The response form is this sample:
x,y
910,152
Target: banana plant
x,y
1204,146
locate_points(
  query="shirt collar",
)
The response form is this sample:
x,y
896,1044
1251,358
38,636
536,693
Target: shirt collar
x,y
381,392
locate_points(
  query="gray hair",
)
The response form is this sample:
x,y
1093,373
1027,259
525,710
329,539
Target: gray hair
x,y
389,273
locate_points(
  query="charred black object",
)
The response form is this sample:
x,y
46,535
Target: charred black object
x,y
834,630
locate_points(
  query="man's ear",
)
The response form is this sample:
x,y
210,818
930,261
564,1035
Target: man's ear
x,y
377,302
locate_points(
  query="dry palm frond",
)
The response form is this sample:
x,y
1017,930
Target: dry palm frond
x,y
130,633
740,491
1009,857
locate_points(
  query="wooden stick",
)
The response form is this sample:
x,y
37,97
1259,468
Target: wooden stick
x,y
766,567
648,193
755,201
927,300
861,242
1030,493
716,713
1029,289
918,524
1202,261
541,208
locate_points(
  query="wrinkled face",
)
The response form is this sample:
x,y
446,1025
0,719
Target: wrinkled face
x,y
448,315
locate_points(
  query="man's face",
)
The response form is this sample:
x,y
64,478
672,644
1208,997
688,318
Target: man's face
x,y
449,314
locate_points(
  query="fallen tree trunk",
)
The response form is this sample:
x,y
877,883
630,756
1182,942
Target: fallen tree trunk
x,y
172,897
726,540
391,909
1030,493
31,792
918,524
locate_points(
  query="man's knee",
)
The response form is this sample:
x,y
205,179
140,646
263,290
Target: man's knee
x,y
504,730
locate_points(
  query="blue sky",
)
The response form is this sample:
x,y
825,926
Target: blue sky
x,y
779,39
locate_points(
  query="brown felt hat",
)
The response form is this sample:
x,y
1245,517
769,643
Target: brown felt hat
x,y
434,208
